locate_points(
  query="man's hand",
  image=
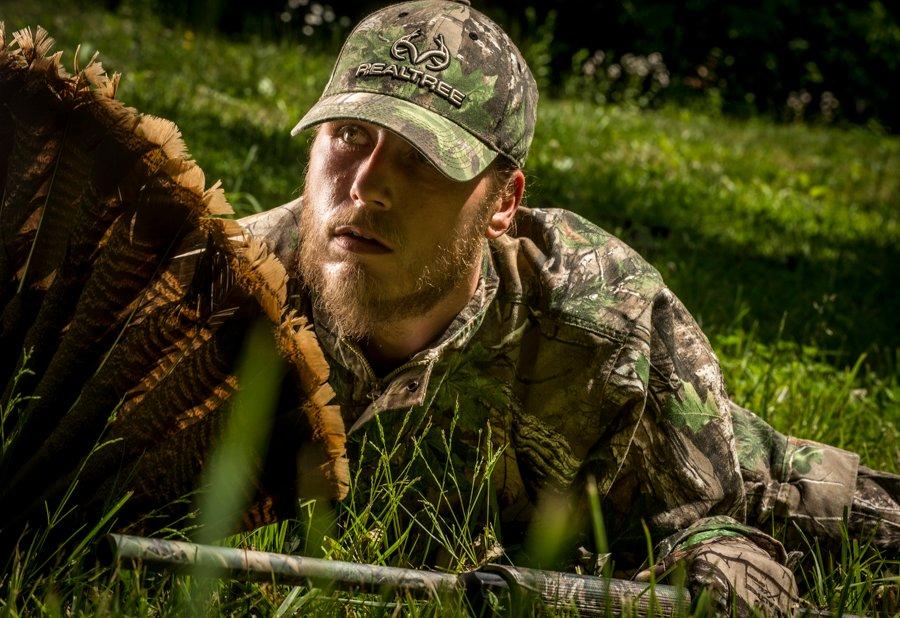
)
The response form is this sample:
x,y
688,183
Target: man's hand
x,y
739,575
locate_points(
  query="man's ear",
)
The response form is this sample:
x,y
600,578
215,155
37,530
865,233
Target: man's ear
x,y
507,203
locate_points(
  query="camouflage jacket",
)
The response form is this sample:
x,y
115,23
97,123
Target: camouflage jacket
x,y
586,366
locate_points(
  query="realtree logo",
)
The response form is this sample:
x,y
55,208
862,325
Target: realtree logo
x,y
433,60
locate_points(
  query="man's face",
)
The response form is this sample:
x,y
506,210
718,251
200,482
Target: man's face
x,y
384,235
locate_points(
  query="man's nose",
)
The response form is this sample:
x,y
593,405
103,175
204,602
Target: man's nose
x,y
372,184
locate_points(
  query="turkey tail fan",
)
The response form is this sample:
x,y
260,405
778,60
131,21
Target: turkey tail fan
x,y
266,278
160,202
303,409
34,118
76,147
158,344
196,387
298,342
132,301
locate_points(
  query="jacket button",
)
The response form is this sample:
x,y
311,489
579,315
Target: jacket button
x,y
412,386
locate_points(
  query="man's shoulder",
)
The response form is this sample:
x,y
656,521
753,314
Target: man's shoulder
x,y
574,271
279,226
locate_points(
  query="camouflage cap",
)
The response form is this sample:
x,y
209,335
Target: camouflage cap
x,y
441,75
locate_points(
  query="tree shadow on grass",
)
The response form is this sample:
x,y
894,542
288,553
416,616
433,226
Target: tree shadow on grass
x,y
848,304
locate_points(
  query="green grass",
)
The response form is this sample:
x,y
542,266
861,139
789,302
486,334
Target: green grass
x,y
781,239
388,519
777,219
780,219
724,208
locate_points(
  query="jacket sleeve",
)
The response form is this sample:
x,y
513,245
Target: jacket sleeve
x,y
742,569
682,448
684,452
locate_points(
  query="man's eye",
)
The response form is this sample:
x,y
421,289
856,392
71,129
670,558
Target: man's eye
x,y
353,135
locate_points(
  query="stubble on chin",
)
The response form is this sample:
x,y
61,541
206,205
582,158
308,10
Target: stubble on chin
x,y
355,302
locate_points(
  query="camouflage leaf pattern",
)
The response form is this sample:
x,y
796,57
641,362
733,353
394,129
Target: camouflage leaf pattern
x,y
583,364
480,100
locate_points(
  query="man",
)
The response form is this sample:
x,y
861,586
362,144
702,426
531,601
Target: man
x,y
434,292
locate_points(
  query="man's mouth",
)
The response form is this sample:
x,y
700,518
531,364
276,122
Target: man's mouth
x,y
358,240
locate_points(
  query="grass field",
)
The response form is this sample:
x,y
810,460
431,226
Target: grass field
x,y
784,241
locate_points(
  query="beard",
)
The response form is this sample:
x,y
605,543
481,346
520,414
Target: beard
x,y
356,302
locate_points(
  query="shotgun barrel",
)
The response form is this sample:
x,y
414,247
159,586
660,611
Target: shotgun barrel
x,y
590,596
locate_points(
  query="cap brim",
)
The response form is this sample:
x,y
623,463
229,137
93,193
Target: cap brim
x,y
454,151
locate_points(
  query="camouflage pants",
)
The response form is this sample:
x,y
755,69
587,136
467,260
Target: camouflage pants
x,y
813,485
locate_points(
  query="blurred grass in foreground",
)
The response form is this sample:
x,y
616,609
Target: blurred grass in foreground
x,y
782,240
388,518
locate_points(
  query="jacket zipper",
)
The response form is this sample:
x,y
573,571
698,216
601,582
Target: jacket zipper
x,y
370,373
